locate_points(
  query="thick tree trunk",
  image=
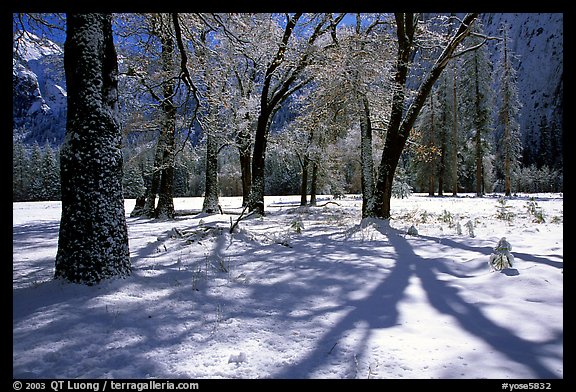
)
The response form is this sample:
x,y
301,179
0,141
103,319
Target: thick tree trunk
x,y
269,102
149,209
256,199
93,237
431,184
165,207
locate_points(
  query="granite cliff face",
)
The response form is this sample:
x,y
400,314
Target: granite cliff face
x,y
537,40
39,95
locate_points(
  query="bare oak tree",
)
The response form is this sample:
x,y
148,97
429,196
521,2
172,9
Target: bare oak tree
x,y
93,238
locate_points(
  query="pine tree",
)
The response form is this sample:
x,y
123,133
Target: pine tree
x,y
50,174
478,104
36,188
133,183
20,172
428,144
509,146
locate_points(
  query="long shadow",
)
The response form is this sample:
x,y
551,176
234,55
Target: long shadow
x,y
28,236
378,309
447,300
488,250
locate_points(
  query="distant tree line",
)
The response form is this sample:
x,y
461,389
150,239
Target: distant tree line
x,y
326,107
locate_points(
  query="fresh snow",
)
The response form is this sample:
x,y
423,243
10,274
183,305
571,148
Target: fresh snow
x,y
344,298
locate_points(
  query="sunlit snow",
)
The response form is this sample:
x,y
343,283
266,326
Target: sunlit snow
x,y
340,299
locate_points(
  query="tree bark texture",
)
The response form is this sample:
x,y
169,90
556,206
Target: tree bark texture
x,y
210,205
165,207
93,238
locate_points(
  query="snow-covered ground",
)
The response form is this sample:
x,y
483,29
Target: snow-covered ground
x,y
301,293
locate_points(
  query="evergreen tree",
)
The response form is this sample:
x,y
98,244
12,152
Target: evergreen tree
x,y
20,172
133,182
478,103
50,175
509,145
36,188
427,150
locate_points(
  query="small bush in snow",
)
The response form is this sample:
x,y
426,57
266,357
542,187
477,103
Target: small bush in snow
x,y
470,227
535,211
412,230
458,228
501,258
503,210
447,217
297,225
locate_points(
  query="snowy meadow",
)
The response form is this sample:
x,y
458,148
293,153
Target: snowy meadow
x,y
304,292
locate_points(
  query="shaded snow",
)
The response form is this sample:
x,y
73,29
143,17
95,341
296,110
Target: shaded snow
x,y
344,298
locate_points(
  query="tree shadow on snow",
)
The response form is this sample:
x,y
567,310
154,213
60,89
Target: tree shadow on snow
x,y
380,310
316,263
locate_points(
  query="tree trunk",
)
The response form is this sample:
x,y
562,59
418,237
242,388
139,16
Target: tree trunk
x,y
400,125
507,170
244,149
478,134
149,209
454,151
304,182
269,102
165,207
366,158
314,183
211,201
507,142
93,237
256,199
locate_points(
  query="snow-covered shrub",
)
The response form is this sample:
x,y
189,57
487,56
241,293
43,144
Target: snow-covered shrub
x,y
503,210
412,230
535,211
501,258
470,227
297,225
447,217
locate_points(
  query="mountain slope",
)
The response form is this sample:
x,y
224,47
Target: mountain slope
x,y
39,94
